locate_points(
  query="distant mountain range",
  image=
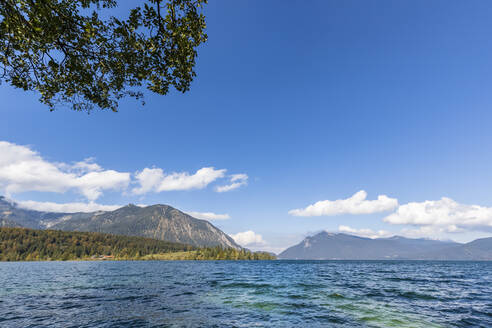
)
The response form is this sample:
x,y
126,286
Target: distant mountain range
x,y
161,222
166,223
339,246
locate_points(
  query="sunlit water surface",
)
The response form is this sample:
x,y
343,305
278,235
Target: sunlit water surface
x,y
246,294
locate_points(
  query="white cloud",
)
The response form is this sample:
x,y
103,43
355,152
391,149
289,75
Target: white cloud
x,y
445,213
149,179
22,169
209,216
248,238
87,165
357,204
65,207
369,233
431,232
237,180
156,180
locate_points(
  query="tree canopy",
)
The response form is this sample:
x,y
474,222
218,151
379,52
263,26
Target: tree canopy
x,y
19,244
74,52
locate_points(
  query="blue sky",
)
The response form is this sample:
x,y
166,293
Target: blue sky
x,y
312,101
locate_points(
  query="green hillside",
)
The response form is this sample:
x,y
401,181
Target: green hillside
x,y
19,244
161,222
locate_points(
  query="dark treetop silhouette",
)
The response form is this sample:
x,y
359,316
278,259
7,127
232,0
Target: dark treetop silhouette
x,y
70,54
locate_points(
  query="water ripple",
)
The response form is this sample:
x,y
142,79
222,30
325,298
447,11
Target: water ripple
x,y
246,294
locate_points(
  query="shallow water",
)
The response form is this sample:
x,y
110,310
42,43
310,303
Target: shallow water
x,y
246,294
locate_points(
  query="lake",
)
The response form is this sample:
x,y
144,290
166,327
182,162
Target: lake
x,y
246,294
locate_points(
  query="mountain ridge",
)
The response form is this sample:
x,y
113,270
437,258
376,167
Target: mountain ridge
x,y
162,222
341,246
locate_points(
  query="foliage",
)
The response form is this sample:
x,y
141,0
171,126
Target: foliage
x,y
213,253
220,253
19,244
70,53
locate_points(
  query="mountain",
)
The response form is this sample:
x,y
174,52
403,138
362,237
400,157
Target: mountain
x,y
479,249
6,223
331,246
161,222
13,216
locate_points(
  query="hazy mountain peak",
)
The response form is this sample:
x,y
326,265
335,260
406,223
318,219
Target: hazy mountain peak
x,y
157,221
326,246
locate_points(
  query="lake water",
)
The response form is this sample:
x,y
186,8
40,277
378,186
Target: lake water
x,y
246,294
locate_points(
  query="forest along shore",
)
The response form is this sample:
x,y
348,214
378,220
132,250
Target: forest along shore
x,y
19,244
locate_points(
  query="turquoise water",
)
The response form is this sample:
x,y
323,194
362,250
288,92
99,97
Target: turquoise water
x,y
246,294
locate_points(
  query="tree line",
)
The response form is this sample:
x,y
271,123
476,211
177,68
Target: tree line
x,y
19,244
